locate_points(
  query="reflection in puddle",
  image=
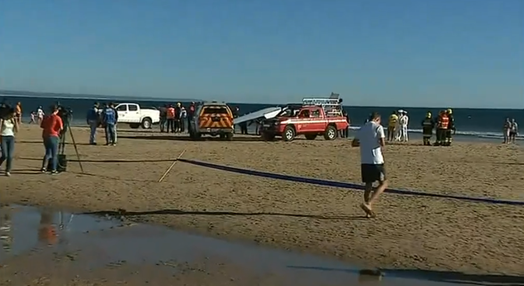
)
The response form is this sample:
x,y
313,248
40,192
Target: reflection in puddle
x,y
89,242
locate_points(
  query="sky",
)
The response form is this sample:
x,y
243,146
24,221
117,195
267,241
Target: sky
x,y
460,53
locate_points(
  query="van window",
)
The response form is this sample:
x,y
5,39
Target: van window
x,y
133,107
215,109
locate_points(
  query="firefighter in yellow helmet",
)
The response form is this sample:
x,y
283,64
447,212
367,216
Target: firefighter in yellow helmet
x,y
428,124
451,128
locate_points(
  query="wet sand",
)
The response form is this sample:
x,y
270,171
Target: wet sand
x,y
410,232
108,250
92,250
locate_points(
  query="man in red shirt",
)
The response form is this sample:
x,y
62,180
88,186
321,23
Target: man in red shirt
x,y
51,126
171,114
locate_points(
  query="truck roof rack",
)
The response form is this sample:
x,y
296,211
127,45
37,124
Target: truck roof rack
x,y
332,105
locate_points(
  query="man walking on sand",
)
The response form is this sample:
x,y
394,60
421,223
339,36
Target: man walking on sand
x,y
109,120
371,139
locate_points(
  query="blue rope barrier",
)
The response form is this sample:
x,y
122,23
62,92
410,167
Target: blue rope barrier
x,y
329,183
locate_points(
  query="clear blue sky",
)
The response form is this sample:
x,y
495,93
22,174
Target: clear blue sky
x,y
461,53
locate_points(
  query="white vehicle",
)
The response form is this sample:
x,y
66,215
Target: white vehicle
x,y
132,114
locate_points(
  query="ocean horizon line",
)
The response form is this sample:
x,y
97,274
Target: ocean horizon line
x,y
22,93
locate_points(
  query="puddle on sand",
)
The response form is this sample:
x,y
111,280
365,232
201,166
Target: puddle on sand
x,y
26,229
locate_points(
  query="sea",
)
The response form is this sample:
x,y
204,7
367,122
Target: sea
x,y
472,123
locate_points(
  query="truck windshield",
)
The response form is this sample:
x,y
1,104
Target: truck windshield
x,y
289,113
214,110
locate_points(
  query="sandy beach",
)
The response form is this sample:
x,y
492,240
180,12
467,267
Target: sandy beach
x,y
411,232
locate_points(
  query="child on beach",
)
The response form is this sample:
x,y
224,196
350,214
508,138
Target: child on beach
x,y
33,117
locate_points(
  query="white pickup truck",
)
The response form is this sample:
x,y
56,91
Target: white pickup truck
x,y
135,116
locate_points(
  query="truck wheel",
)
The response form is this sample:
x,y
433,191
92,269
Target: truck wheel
x,y
134,125
289,133
330,133
147,123
311,136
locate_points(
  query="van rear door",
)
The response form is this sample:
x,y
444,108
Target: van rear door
x,y
215,116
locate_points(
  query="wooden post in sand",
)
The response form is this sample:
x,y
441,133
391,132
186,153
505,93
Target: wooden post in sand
x,y
171,167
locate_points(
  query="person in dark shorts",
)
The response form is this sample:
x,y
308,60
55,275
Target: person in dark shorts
x,y
371,138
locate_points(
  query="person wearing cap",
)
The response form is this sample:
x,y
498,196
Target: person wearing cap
x,y
448,136
428,124
93,120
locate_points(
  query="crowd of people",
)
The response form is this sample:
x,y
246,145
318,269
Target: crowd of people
x,y
106,117
52,127
175,118
398,126
443,124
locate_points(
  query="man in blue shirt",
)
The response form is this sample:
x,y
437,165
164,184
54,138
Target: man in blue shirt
x,y
93,120
112,105
109,120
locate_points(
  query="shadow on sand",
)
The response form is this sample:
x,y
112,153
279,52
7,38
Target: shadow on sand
x,y
40,142
114,178
186,138
26,171
107,160
406,144
122,212
433,275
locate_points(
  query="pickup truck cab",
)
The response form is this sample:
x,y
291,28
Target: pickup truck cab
x,y
135,116
308,120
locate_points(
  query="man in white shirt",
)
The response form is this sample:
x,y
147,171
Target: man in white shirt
x,y
40,114
404,121
371,139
